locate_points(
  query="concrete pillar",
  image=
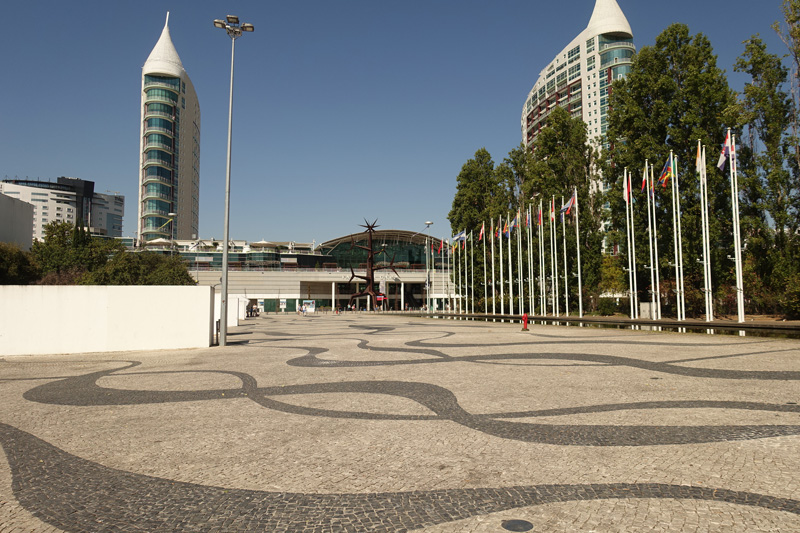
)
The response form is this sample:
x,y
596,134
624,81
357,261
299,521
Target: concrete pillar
x,y
402,296
333,296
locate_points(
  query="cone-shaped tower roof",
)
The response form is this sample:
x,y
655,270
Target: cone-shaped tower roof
x,y
164,58
608,17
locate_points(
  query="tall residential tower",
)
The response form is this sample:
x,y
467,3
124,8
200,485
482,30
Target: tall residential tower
x,y
579,78
169,160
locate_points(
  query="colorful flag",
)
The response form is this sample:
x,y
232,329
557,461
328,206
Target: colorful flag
x,y
726,151
528,219
666,173
483,229
644,179
441,244
540,217
552,209
460,236
698,163
567,207
506,230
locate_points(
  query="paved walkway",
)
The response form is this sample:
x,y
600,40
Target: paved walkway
x,y
392,423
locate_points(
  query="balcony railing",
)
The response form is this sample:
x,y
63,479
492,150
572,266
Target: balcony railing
x,y
158,195
160,146
156,129
150,114
165,85
617,45
158,98
155,212
160,162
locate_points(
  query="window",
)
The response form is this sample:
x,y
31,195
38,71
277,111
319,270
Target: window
x,y
574,54
590,64
590,45
561,78
574,72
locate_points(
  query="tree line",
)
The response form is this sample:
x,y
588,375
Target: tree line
x,y
68,255
674,96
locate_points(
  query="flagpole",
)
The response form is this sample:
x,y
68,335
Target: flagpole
x,y
675,240
520,287
472,272
650,239
633,252
553,258
542,284
737,231
626,196
564,240
655,250
466,274
485,274
502,281
680,240
510,273
578,248
494,288
706,241
531,284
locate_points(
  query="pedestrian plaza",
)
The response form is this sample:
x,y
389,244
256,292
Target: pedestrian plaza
x,y
371,422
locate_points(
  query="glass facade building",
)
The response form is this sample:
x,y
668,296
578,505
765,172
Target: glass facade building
x,y
169,162
579,78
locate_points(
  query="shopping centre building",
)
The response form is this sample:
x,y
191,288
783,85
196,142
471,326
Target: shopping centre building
x,y
276,274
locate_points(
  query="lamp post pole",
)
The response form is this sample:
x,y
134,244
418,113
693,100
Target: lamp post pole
x,y
234,29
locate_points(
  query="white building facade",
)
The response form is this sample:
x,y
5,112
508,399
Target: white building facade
x,y
169,147
68,200
579,78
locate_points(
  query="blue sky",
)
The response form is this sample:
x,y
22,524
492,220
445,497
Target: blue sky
x,y
343,110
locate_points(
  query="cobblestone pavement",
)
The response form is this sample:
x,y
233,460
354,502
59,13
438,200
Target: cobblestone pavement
x,y
390,423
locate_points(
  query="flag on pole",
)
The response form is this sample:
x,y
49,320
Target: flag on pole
x,y
540,216
726,151
567,207
698,163
441,245
528,219
552,209
483,230
460,236
666,173
506,230
644,178
626,189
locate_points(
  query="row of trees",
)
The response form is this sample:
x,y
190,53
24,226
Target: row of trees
x,y
68,256
674,96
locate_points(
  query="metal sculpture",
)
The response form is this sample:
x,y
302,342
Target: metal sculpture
x,y
369,278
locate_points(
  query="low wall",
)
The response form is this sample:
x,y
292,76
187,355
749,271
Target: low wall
x,y
39,319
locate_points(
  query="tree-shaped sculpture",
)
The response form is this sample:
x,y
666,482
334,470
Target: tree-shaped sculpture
x,y
369,279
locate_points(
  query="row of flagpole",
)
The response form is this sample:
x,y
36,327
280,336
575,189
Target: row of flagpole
x,y
670,171
466,303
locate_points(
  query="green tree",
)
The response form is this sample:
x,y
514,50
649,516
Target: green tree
x,y
16,266
770,188
674,96
141,268
66,252
478,193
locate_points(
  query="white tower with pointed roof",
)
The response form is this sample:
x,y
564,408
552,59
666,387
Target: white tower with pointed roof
x,y
579,78
169,147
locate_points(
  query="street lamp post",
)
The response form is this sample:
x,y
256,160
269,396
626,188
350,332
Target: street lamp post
x,y
234,29
428,224
171,232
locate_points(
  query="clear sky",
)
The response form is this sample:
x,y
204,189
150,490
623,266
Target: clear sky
x,y
343,110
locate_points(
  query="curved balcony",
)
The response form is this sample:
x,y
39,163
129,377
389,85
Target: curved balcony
x,y
158,114
157,179
157,98
156,233
621,44
150,212
149,162
163,85
152,145
156,196
156,129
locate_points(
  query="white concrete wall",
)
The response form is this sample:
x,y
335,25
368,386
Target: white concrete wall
x,y
38,319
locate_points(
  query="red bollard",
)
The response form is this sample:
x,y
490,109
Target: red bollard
x,y
525,322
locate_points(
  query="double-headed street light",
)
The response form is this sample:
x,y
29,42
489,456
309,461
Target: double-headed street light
x,y
234,29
